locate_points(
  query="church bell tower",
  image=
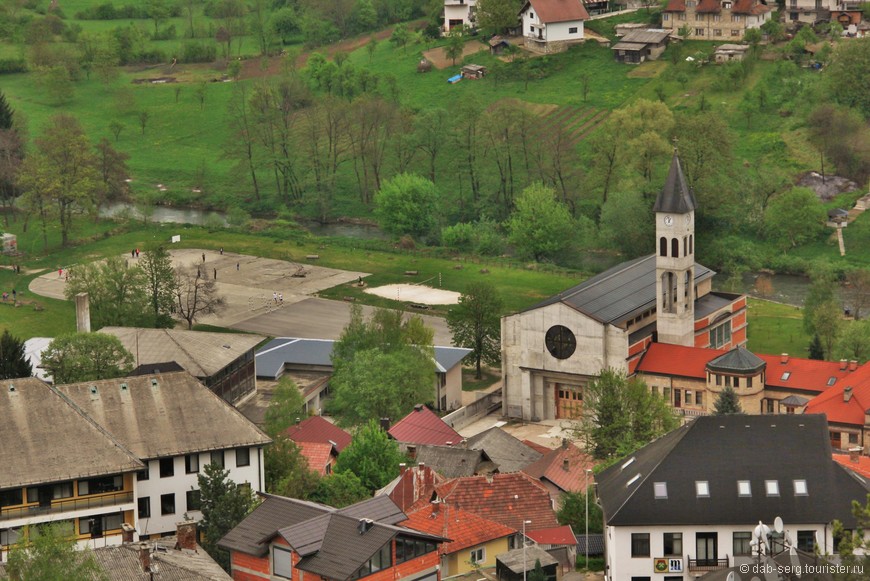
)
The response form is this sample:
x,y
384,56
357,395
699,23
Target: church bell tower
x,y
675,259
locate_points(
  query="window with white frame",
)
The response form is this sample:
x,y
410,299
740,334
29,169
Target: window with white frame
x,y
282,562
702,489
660,490
800,488
744,488
478,555
772,487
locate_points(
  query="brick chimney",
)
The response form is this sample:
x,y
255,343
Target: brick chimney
x,y
847,394
783,359
145,557
436,508
843,364
127,532
186,535
385,424
855,454
853,365
565,464
402,467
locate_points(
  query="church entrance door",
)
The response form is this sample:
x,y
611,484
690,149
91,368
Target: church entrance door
x,y
569,401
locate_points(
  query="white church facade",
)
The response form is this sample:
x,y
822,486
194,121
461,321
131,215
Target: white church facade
x,y
551,350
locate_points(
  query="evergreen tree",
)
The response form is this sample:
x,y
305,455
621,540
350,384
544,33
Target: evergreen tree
x,y
224,505
13,363
727,403
816,350
538,573
6,113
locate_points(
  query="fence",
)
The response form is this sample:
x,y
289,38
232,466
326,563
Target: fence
x,y
474,411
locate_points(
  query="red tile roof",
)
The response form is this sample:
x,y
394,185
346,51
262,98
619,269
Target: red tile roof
x,y
414,484
563,535
749,7
423,426
464,529
505,498
318,429
833,401
537,447
664,359
708,6
557,10
862,466
676,6
804,374
317,454
563,466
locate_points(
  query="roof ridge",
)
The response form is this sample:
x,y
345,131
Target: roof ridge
x,y
180,346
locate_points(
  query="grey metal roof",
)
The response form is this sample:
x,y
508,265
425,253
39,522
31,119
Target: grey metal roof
x,y
648,36
722,450
274,355
737,360
46,438
450,462
508,453
518,559
676,197
618,293
712,302
596,544
794,400
202,354
164,415
628,46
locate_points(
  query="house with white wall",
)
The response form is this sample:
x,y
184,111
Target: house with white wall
x,y
175,426
551,25
688,502
459,13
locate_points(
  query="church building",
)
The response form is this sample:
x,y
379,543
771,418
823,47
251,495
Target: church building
x,y
551,350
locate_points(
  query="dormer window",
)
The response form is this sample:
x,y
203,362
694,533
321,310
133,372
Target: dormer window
x,y
660,490
744,488
726,5
772,487
800,488
702,489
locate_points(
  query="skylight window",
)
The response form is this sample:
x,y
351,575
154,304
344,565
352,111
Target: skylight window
x,y
800,488
785,376
772,487
702,488
627,463
661,490
634,479
832,380
744,488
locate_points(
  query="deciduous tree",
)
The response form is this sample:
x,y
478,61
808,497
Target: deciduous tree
x,y
116,292
407,205
475,323
540,227
48,552
77,357
857,291
846,87
287,471
284,408
572,511
795,217
340,489
372,455
854,341
497,16
196,294
13,362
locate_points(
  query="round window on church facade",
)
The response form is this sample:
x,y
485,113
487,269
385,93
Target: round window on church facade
x,y
560,342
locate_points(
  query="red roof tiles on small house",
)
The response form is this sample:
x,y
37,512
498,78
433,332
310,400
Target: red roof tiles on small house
x,y
846,402
464,529
538,447
318,455
549,11
708,7
676,6
318,429
505,498
563,535
753,7
564,467
806,374
423,426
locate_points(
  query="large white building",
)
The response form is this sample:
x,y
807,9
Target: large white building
x,y
688,503
175,426
459,13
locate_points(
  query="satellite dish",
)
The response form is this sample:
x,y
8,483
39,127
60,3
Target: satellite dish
x,y
731,577
777,525
819,540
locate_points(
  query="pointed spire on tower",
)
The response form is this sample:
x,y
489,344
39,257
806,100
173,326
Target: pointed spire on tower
x,y
676,196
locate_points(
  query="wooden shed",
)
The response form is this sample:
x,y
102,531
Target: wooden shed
x,y
473,72
638,46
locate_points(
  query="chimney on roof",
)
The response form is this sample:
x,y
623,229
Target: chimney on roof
x,y
385,424
365,524
402,467
853,365
464,443
847,394
855,454
145,557
127,531
565,464
436,508
83,313
783,359
564,442
418,407
843,364
186,535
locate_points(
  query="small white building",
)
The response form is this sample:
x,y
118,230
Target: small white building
x,y
175,426
459,13
551,25
688,502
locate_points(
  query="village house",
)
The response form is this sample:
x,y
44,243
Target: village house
x,y
320,430
809,11
564,469
847,405
413,484
688,502
422,426
637,46
551,350
61,466
458,14
285,538
550,26
174,426
714,19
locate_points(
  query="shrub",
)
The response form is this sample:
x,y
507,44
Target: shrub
x,y
198,52
9,66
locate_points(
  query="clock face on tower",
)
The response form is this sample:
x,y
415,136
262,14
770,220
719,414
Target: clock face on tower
x,y
560,342
669,220
688,219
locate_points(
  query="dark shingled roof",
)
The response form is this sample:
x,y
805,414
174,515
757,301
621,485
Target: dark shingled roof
x,y
508,453
676,197
722,450
596,544
618,293
449,461
738,360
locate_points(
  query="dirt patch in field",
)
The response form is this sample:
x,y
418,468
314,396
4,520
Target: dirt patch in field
x,y
648,69
537,109
439,59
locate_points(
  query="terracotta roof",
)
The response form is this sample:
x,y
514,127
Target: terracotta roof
x,y
317,454
563,466
318,429
708,6
749,7
844,407
557,10
862,466
464,529
505,498
535,446
415,483
664,359
555,536
423,426
803,374
676,6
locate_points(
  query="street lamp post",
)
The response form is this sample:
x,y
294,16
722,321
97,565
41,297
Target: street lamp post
x,y
525,522
588,471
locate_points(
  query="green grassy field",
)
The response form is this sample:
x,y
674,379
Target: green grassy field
x,y
776,328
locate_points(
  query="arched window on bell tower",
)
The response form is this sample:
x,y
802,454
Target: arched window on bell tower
x,y
675,248
663,246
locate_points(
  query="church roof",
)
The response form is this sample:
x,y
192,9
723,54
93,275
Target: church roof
x,y
676,196
618,293
737,360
